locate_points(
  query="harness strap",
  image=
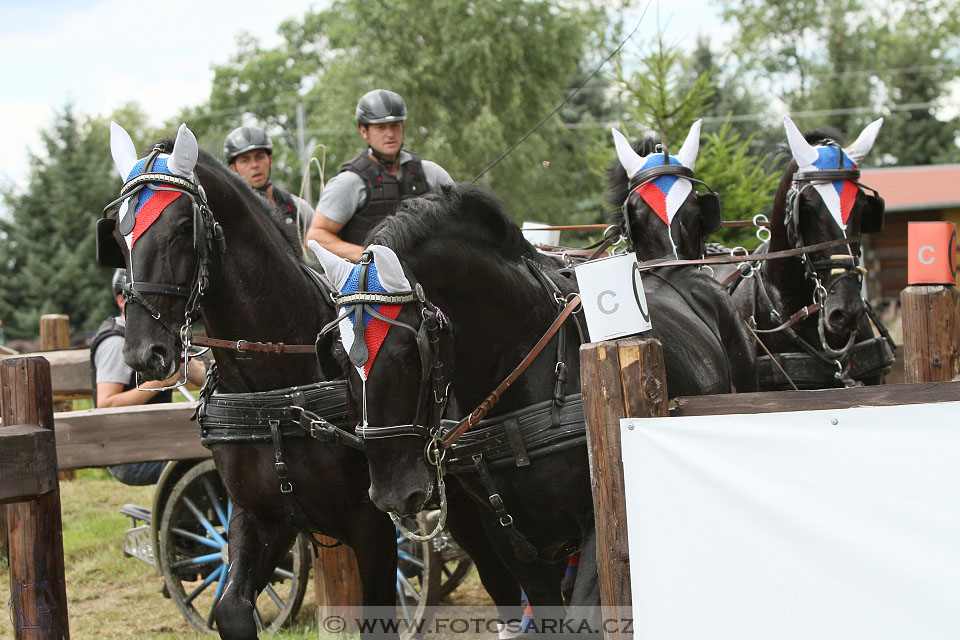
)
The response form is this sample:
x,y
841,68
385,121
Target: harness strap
x,y
494,397
279,464
795,318
521,546
786,253
256,347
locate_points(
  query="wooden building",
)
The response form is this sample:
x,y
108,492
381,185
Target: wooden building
x,y
924,193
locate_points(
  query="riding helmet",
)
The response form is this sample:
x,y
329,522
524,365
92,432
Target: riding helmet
x,y
379,106
119,280
243,139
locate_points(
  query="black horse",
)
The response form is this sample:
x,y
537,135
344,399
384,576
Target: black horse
x,y
462,255
665,218
247,264
809,309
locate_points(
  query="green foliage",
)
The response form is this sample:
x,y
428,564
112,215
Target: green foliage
x,y
47,244
842,63
476,76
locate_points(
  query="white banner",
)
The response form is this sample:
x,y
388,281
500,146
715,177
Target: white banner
x,y
819,525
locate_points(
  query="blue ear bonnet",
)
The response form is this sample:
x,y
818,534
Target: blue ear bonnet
x,y
664,183
159,166
829,161
352,285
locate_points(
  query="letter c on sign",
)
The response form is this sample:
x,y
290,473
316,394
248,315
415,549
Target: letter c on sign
x,y
605,310
926,247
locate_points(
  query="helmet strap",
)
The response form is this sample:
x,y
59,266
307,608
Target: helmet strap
x,y
387,164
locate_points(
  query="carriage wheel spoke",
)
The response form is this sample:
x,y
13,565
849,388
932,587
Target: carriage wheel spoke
x,y
274,596
415,561
192,536
210,558
206,583
203,521
413,591
283,574
258,619
214,500
402,597
221,583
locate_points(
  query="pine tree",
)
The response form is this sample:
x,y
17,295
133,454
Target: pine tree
x,y
47,244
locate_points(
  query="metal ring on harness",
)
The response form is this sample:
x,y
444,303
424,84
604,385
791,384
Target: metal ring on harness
x,y
763,232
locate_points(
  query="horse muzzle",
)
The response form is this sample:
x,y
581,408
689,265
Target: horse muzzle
x,y
153,361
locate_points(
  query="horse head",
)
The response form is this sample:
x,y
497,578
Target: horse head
x,y
452,259
661,211
821,199
167,256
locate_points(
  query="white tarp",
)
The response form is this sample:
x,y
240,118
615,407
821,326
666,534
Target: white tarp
x,y
817,525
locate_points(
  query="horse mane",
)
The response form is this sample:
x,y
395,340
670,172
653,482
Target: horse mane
x,y
617,182
461,212
254,201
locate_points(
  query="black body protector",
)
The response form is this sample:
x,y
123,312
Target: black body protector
x,y
384,192
108,328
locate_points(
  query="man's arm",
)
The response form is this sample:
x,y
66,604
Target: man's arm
x,y
111,394
324,231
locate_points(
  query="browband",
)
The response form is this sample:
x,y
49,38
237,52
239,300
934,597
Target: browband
x,y
827,175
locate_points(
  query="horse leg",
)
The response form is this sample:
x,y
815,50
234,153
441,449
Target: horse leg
x,y
255,549
464,523
585,603
373,540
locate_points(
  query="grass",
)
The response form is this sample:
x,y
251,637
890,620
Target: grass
x,y
114,597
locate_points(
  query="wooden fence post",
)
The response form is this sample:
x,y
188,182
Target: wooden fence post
x,y
39,593
931,333
620,379
54,336
336,583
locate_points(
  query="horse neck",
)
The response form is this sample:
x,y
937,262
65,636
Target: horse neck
x,y
784,276
496,321
258,293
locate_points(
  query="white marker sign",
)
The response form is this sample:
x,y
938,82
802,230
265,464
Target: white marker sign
x,y
613,300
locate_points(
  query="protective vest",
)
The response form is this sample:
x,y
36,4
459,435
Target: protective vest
x,y
110,327
285,202
384,193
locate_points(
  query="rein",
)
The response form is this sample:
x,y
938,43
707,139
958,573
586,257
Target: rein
x,y
450,438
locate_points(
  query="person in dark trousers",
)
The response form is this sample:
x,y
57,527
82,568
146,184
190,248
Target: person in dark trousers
x,y
114,384
370,187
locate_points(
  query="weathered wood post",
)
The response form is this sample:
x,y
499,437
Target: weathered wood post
x,y
931,332
336,582
39,594
54,336
620,379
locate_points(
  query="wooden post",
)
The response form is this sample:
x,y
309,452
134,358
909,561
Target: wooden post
x,y
55,335
620,379
54,331
38,589
931,333
336,582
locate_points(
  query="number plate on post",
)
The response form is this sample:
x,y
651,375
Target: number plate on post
x,y
613,300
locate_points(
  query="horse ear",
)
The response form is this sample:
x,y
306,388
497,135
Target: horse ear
x,y
631,162
183,158
691,146
122,149
337,269
389,269
862,145
803,152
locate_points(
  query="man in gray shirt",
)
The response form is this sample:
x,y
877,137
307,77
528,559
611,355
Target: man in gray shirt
x,y
370,187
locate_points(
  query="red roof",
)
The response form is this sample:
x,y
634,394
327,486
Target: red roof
x,y
935,186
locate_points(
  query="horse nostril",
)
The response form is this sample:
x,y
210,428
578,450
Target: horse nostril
x,y
838,319
415,501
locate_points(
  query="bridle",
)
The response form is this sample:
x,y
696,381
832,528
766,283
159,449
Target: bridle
x,y
208,241
434,383
710,210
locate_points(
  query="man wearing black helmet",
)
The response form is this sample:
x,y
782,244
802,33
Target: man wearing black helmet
x,y
370,187
115,384
249,153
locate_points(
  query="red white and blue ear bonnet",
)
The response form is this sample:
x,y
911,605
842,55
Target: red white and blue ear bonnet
x,y
384,275
664,194
837,195
146,205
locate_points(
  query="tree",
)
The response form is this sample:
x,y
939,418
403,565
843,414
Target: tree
x,y
665,96
47,244
843,62
474,84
